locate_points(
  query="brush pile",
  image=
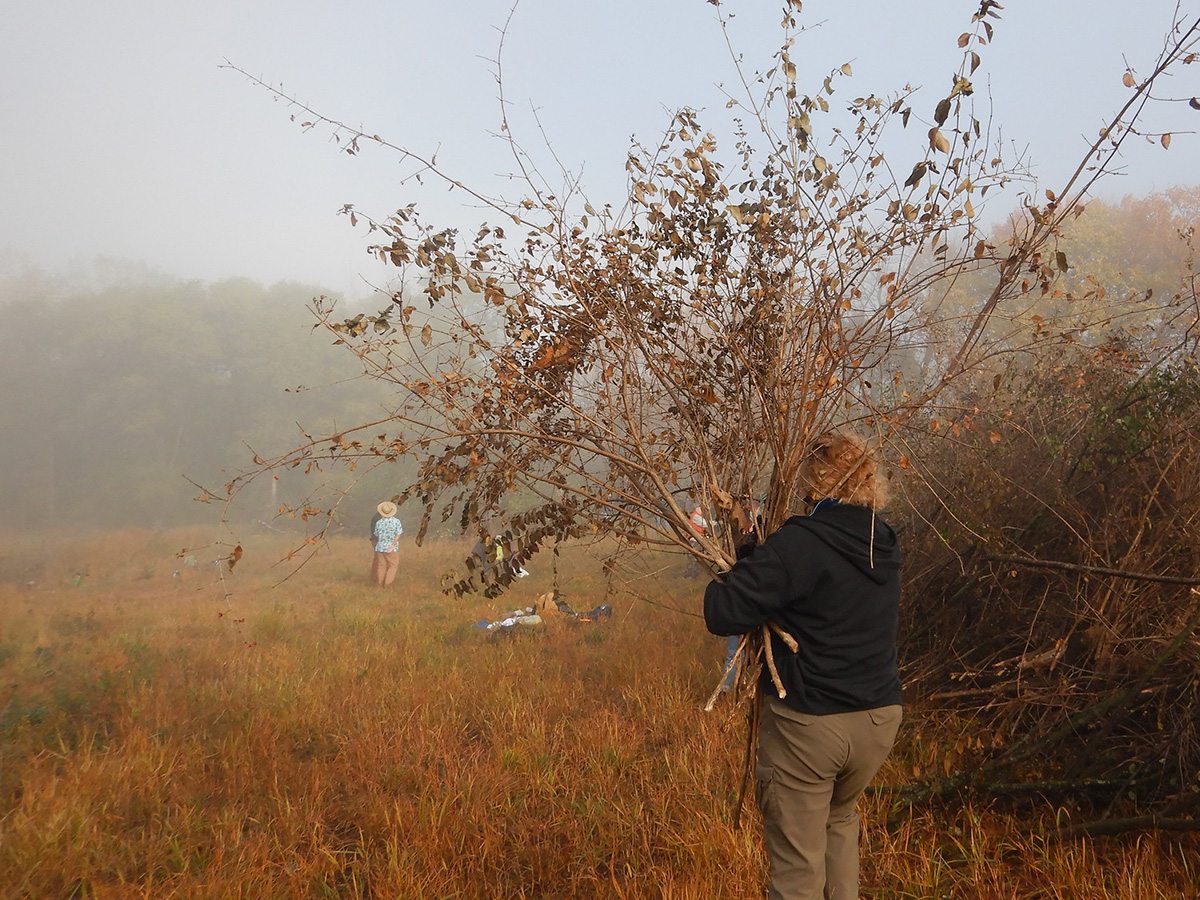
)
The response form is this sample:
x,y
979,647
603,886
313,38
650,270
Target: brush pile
x,y
1060,616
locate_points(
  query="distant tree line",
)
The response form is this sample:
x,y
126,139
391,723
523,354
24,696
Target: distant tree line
x,y
115,391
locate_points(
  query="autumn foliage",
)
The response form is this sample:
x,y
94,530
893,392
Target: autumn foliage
x,y
579,368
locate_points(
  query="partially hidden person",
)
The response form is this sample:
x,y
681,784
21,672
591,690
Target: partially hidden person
x,y
387,531
832,580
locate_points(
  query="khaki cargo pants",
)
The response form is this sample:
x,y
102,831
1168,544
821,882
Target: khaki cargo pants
x,y
811,771
384,566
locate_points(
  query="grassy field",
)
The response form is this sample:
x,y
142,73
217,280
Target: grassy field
x,y
168,736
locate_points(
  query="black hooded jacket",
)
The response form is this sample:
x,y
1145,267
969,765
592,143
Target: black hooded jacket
x,y
832,581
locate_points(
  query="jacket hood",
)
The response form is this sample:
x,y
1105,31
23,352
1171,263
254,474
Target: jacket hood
x,y
857,534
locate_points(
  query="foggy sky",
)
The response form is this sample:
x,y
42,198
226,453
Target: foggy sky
x,y
124,137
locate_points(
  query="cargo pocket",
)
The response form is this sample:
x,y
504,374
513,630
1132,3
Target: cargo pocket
x,y
766,791
885,723
885,715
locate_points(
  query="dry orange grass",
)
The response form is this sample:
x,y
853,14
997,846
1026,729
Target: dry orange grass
x,y
323,738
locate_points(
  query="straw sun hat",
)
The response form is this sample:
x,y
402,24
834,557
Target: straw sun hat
x,y
387,509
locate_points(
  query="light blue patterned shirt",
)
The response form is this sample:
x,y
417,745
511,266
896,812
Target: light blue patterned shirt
x,y
387,534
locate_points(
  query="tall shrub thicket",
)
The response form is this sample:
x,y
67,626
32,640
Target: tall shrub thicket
x,y
1054,559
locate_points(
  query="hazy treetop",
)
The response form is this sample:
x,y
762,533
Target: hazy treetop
x,y
125,138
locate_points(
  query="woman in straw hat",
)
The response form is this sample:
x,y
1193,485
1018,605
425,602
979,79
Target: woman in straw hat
x,y
832,580
387,531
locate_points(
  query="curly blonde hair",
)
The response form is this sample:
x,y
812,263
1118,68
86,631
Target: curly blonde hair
x,y
841,465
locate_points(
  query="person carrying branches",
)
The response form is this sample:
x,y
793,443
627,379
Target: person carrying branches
x,y
831,710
